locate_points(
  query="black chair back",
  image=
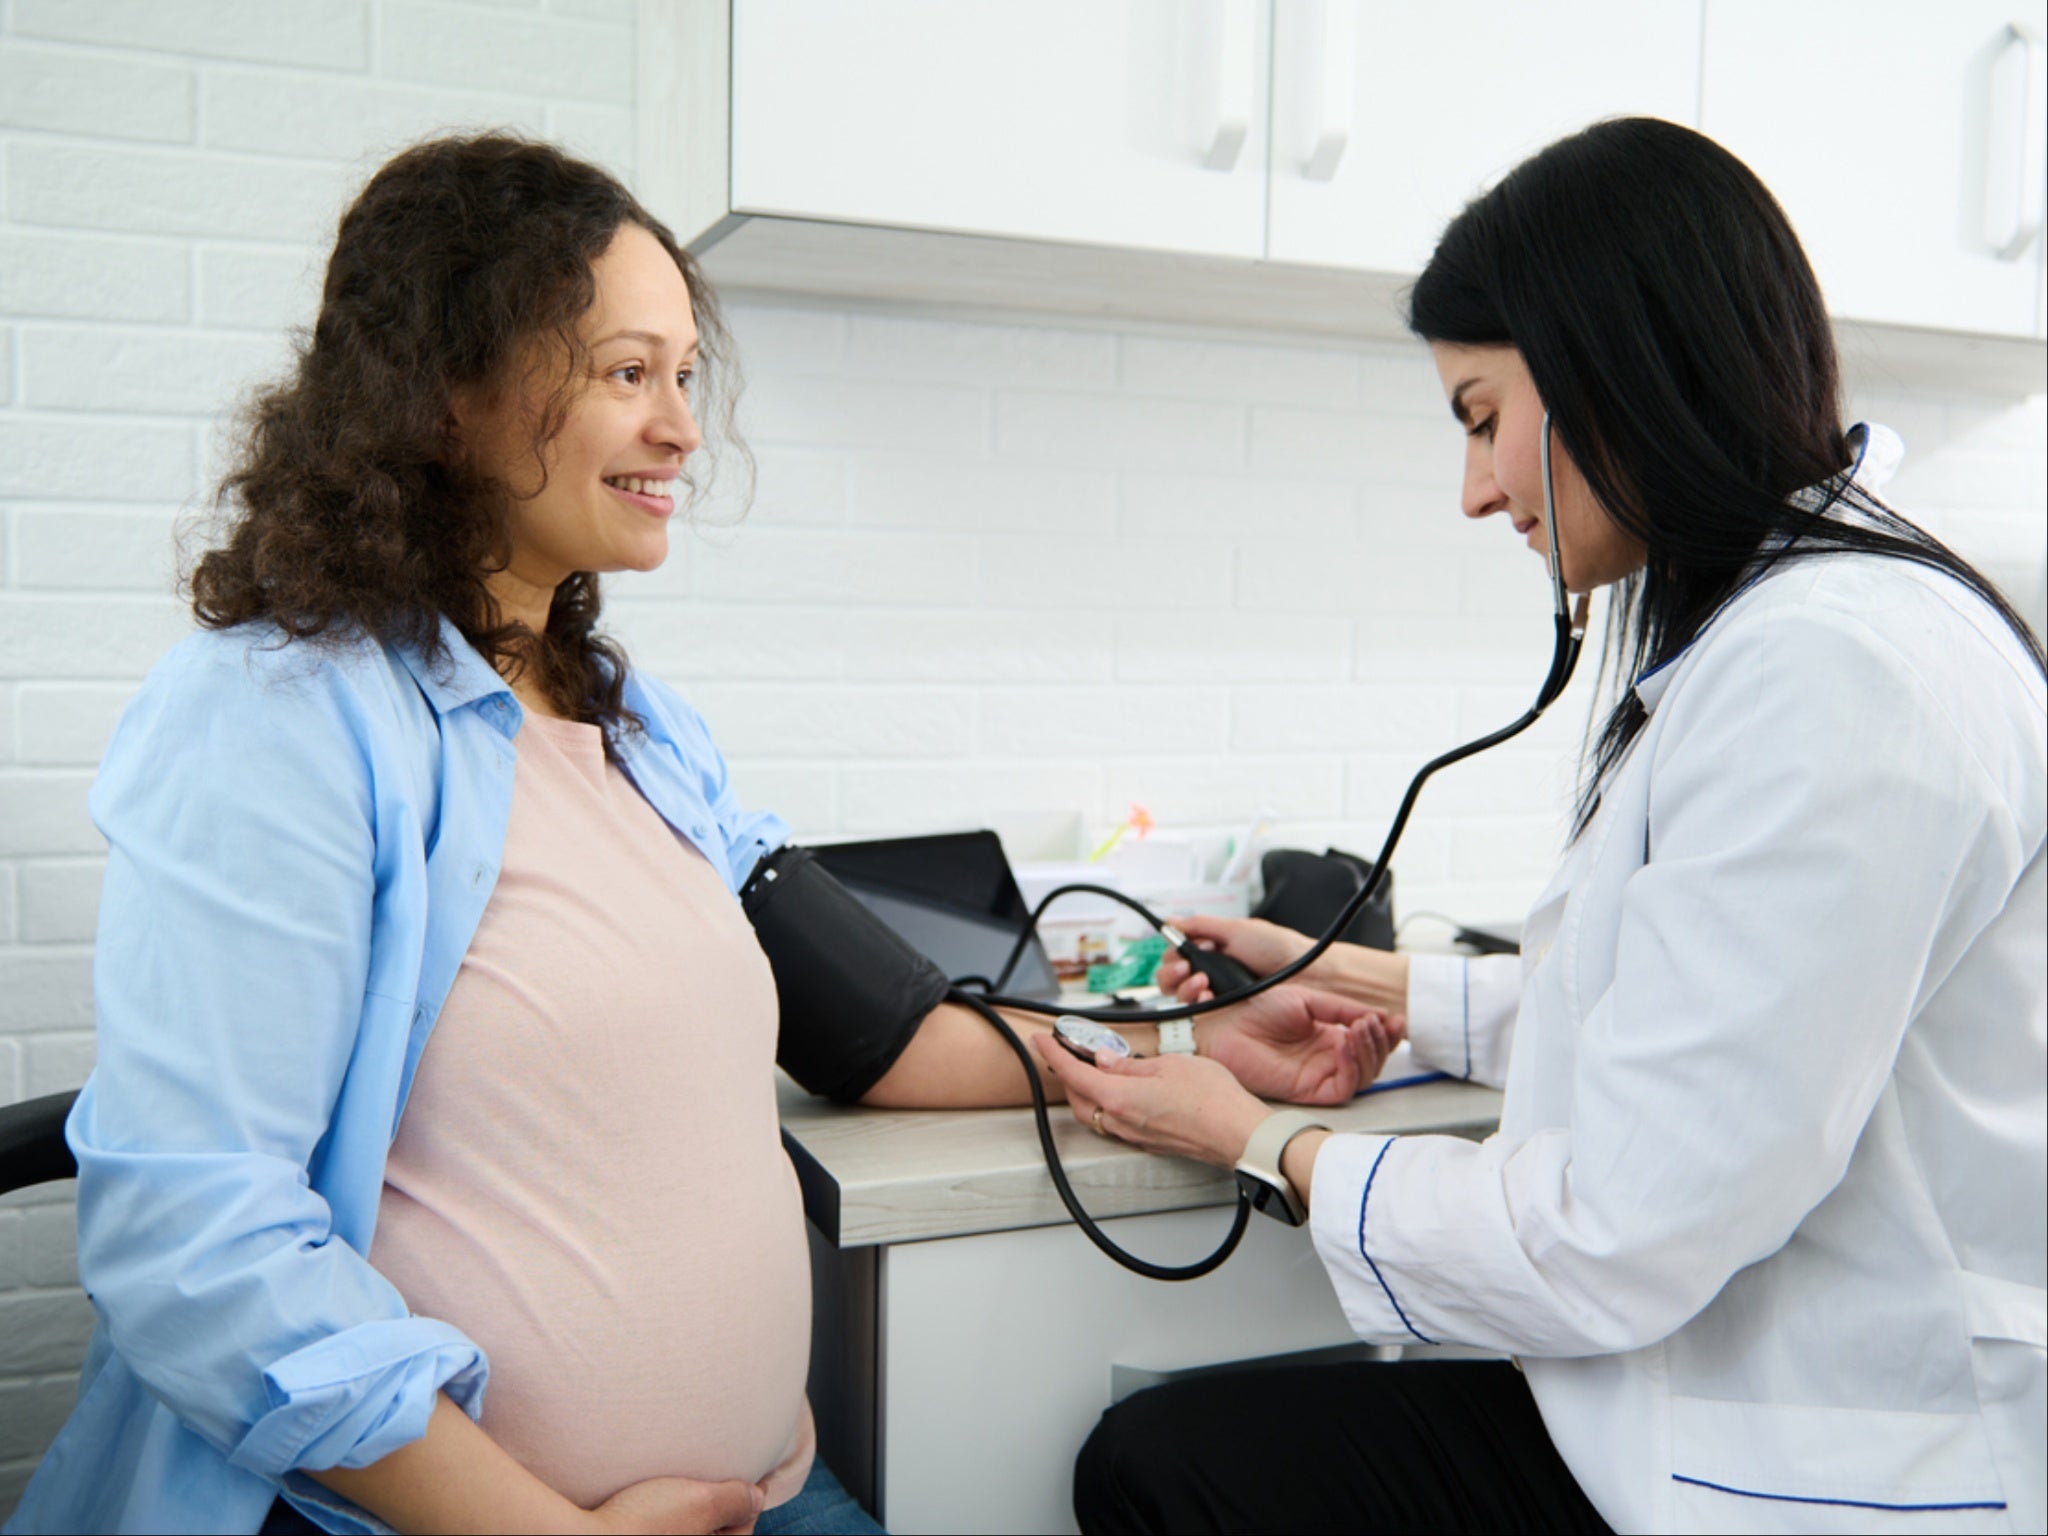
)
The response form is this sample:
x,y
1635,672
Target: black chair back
x,y
32,1146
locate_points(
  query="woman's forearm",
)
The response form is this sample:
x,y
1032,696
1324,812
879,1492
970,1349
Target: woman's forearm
x,y
455,1478
956,1061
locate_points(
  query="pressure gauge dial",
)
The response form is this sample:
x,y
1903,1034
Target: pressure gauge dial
x,y
1088,1039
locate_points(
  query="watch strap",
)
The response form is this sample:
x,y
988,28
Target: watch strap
x,y
1262,1152
1177,1037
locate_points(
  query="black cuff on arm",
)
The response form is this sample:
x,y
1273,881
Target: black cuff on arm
x,y
852,992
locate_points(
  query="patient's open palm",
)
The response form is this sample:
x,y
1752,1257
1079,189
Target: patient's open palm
x,y
1302,1045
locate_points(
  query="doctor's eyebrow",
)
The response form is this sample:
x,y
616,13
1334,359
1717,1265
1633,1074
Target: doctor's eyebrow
x,y
1458,403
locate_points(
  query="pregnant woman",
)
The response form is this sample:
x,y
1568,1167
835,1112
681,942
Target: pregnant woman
x,y
429,1178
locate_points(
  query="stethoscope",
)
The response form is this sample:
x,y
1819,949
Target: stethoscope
x,y
1569,622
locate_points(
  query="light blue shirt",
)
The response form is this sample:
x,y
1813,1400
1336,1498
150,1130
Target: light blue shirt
x,y
302,838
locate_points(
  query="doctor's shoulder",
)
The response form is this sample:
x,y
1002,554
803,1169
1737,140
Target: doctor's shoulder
x,y
1960,668
1867,653
1918,608
1924,623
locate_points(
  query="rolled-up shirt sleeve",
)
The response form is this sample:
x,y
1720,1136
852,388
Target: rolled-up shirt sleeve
x,y
1461,1013
233,999
1764,976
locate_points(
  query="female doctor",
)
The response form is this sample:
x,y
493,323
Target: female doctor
x,y
1763,1225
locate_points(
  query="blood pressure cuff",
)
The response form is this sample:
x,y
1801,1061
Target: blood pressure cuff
x,y
852,991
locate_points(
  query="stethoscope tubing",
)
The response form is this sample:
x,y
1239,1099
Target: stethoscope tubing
x,y
1101,1239
1569,624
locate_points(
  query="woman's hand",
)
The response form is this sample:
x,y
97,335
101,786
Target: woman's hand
x,y
457,1478
662,1505
1301,1045
1185,1105
1259,946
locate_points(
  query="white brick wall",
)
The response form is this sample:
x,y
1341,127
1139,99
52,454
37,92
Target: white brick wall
x,y
998,574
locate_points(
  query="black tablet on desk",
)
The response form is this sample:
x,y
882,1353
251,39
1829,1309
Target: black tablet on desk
x,y
952,897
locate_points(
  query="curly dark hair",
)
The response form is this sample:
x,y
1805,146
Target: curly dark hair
x,y
350,509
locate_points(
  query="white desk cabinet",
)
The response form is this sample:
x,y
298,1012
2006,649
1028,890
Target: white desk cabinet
x,y
966,1335
1001,1351
1893,133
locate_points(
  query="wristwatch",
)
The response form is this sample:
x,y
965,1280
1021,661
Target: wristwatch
x,y
1177,1037
1258,1171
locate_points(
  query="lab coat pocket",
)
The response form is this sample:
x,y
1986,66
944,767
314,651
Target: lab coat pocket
x,y
1739,1466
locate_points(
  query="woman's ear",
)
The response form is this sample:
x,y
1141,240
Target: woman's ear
x,y
477,436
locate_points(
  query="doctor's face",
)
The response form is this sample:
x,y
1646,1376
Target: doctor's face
x,y
1495,401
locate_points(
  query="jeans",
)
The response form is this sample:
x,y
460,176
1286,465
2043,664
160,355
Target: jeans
x,y
821,1508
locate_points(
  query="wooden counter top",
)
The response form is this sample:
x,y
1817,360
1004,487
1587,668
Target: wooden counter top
x,y
875,1176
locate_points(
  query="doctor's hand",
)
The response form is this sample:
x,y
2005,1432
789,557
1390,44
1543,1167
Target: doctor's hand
x,y
1376,977
1298,1044
1259,946
1187,1106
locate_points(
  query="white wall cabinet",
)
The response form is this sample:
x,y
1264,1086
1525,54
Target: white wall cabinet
x,y
1389,115
1138,123
1895,136
1289,164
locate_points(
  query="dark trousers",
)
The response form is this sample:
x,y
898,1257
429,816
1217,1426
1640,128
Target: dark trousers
x,y
1453,1445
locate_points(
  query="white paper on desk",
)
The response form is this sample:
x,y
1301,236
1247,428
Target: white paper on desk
x,y
1114,922
1158,861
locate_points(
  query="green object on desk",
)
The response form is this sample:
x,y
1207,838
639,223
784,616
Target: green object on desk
x,y
1140,960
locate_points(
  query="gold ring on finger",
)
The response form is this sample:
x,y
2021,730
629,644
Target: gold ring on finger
x,y
1097,1122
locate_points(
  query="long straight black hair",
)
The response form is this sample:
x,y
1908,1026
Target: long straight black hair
x,y
1674,329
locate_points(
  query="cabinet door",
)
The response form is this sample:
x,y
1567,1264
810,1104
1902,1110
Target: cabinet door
x,y
983,1411
1426,102
1872,122
1109,122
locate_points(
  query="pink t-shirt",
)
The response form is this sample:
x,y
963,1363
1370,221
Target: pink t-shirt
x,y
589,1177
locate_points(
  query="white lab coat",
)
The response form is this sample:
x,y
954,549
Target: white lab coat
x,y
1764,1219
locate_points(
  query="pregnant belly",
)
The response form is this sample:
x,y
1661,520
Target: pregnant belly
x,y
670,1339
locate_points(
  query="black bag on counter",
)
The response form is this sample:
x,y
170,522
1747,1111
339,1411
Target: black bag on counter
x,y
1305,891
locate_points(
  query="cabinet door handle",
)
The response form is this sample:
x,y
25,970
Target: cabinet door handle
x,y
1337,84
2014,151
1236,63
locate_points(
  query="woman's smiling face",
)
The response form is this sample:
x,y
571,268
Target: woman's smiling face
x,y
599,495
1495,401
